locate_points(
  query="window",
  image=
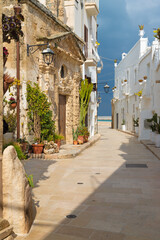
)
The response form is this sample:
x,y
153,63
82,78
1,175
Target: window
x,y
133,108
135,76
86,40
63,71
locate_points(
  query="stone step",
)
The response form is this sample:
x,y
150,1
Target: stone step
x,y
5,229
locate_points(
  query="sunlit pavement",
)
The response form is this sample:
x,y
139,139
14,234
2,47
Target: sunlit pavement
x,y
109,200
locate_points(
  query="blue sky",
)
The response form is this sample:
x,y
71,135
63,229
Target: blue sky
x,y
118,32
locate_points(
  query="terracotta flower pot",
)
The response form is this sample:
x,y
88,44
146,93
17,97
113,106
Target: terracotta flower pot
x,y
80,140
85,139
37,148
75,142
58,142
13,105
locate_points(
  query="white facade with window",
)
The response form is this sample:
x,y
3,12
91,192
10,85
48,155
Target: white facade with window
x,y
141,63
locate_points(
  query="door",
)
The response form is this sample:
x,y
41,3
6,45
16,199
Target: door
x,y
117,120
62,115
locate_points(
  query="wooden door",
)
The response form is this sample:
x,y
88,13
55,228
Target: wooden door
x,y
62,115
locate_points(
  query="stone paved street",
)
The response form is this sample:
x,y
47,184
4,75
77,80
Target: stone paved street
x,y
112,203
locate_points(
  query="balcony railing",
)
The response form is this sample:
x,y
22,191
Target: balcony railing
x,y
90,54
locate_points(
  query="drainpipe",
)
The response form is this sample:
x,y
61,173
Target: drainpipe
x,y
18,90
57,8
17,10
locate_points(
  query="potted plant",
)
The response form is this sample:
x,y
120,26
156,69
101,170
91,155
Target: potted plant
x,y
153,126
40,117
157,33
123,125
157,138
136,125
86,134
141,30
57,139
140,81
5,55
80,134
23,143
139,94
12,102
75,136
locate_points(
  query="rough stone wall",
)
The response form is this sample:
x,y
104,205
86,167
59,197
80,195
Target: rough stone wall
x,y
17,197
57,8
38,25
1,108
1,85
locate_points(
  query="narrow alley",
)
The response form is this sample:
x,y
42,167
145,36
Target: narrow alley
x,y
105,198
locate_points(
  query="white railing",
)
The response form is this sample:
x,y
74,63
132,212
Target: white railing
x,y
116,94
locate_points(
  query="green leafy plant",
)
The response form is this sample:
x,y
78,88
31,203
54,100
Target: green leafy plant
x,y
12,100
58,137
157,33
82,131
75,134
30,180
84,92
141,27
153,122
139,94
136,122
39,113
123,122
18,149
11,120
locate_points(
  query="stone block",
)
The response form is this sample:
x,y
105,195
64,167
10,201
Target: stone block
x,y
17,196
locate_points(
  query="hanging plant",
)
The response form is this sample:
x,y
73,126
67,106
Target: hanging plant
x,y
5,55
12,27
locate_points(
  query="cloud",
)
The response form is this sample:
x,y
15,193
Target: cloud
x,y
143,10
139,6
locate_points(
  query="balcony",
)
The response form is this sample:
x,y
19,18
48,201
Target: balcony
x,y
91,60
92,7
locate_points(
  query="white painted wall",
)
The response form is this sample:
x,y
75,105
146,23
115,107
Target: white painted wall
x,y
142,60
77,17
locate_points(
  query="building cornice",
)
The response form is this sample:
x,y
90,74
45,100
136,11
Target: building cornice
x,y
46,11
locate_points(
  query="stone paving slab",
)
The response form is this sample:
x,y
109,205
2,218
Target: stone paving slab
x,y
112,203
155,150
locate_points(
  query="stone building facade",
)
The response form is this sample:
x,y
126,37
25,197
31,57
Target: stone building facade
x,y
61,79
